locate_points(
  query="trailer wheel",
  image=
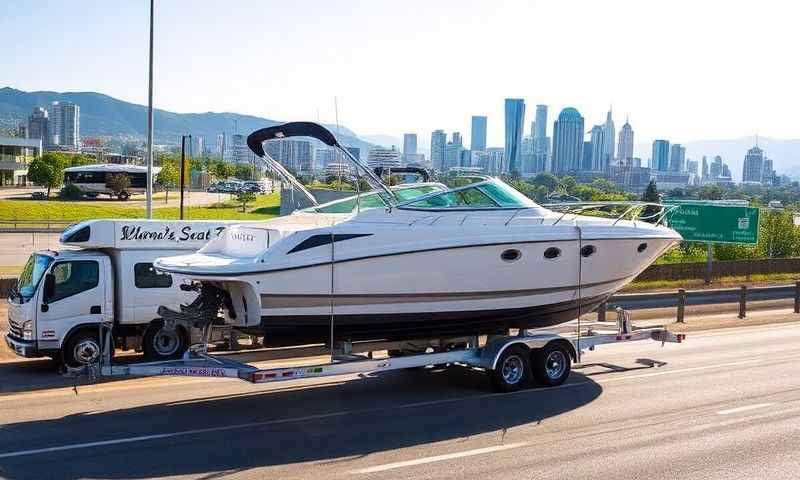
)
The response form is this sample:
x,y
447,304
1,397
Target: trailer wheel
x,y
551,364
124,196
160,343
511,370
82,348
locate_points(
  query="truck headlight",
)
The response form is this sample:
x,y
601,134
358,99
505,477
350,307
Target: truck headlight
x,y
27,330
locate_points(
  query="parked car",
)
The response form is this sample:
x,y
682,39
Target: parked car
x,y
39,196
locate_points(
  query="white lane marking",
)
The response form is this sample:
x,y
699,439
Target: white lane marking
x,y
141,438
439,458
745,408
680,370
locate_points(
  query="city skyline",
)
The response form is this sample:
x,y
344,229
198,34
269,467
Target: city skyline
x,y
701,111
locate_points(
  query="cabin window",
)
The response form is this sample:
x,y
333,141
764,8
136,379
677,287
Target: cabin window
x,y
145,276
74,277
588,250
552,253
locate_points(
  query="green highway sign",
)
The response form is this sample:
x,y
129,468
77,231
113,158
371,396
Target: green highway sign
x,y
714,222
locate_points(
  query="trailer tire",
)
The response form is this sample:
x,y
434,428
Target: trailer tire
x,y
82,348
124,196
159,343
551,364
512,369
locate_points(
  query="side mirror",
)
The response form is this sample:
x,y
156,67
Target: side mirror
x,y
49,286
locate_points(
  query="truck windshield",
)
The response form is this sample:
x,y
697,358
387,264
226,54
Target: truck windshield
x,y
32,274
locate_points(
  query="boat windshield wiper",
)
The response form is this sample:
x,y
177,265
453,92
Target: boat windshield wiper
x,y
310,129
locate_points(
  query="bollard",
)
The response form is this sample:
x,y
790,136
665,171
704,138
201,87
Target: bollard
x,y
743,302
797,296
681,304
601,311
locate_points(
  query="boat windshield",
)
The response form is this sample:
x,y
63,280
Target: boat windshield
x,y
373,200
493,193
32,274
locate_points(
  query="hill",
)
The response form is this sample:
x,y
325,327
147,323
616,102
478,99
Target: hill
x,y
103,115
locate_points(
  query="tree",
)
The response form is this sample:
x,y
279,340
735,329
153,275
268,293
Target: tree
x,y
569,184
223,170
47,171
119,183
244,198
651,195
547,180
243,172
169,176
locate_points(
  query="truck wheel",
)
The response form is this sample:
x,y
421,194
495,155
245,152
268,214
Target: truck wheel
x,y
551,364
511,371
82,348
160,343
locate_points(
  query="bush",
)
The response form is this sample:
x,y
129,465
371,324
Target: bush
x,y
243,198
70,192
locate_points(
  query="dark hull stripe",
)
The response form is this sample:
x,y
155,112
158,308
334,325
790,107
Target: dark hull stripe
x,y
313,300
409,252
304,329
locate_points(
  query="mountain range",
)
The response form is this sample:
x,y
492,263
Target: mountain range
x,y
103,115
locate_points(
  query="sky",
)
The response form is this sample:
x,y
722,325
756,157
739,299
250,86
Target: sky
x,y
681,70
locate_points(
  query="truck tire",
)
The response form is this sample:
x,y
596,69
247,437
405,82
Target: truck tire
x,y
81,349
160,343
551,364
512,369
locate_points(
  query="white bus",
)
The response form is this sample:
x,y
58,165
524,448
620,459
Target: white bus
x,y
92,180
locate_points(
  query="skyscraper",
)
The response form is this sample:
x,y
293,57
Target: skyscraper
x,y
567,141
704,170
541,144
625,146
438,143
599,149
609,135
515,121
453,153
660,159
715,170
39,126
767,172
409,145
56,123
753,165
71,130
677,158
477,136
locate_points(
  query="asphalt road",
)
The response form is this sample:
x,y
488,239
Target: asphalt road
x,y
726,404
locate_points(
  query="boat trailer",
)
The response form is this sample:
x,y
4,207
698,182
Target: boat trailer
x,y
543,356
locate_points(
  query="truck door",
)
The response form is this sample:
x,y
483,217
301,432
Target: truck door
x,y
77,298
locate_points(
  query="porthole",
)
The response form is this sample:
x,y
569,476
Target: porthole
x,y
588,250
511,255
552,253
641,248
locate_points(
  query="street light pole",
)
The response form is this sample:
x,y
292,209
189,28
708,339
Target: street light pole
x,y
149,192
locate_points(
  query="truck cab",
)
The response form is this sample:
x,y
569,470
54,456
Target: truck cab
x,y
105,277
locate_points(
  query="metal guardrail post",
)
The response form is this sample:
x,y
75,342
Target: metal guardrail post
x,y
743,302
601,311
681,304
797,296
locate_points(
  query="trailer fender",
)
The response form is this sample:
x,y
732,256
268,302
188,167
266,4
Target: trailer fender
x,y
492,351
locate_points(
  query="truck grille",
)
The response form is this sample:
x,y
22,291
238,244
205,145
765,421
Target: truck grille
x,y
15,330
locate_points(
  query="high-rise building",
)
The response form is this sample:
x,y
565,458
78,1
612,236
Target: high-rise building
x,y
453,153
768,173
324,157
438,143
715,169
753,165
384,157
599,149
409,144
477,135
355,152
71,132
704,170
495,160
56,123
609,135
515,121
691,167
296,155
541,143
660,159
567,141
625,145
528,159
457,140
677,158
221,145
39,125
586,158
240,153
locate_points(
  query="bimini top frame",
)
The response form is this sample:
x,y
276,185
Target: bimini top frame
x,y
255,141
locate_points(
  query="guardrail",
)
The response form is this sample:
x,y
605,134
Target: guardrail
x,y
34,226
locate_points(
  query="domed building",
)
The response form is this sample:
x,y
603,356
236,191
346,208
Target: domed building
x,y
567,141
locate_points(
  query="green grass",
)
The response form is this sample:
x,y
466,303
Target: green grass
x,y
722,282
265,206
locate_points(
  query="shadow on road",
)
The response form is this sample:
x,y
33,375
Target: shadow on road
x,y
323,423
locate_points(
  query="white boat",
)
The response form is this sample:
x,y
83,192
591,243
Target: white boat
x,y
416,261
